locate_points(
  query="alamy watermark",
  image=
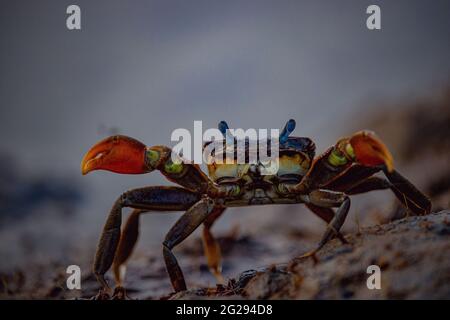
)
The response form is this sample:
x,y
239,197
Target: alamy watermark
x,y
73,20
228,146
374,280
73,281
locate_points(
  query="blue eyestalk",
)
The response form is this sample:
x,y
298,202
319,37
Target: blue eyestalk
x,y
288,129
223,127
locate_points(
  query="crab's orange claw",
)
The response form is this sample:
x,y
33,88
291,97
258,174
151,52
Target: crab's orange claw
x,y
118,154
369,150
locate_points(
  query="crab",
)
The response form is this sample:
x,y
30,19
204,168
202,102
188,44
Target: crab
x,y
323,184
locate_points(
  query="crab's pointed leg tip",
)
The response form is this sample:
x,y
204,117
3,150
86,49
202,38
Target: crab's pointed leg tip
x,y
310,254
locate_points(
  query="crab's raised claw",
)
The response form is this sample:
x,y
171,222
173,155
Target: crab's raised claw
x,y
120,154
370,151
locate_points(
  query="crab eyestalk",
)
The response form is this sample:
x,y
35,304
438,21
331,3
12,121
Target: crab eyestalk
x,y
370,151
287,130
119,154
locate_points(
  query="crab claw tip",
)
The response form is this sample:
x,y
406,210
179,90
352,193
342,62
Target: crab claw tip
x,y
118,154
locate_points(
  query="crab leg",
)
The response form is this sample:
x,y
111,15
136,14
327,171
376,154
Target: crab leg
x,y
322,199
148,198
369,184
375,183
357,179
129,235
187,223
327,199
351,177
128,239
326,214
211,246
411,195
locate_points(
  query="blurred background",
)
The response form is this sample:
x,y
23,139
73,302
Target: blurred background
x,y
145,68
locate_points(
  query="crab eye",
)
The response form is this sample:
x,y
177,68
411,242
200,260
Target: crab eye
x,y
336,158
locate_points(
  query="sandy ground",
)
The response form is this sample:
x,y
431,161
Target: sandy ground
x,y
413,254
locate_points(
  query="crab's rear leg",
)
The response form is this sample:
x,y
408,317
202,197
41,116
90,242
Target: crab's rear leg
x,y
407,193
128,239
147,198
358,179
211,246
